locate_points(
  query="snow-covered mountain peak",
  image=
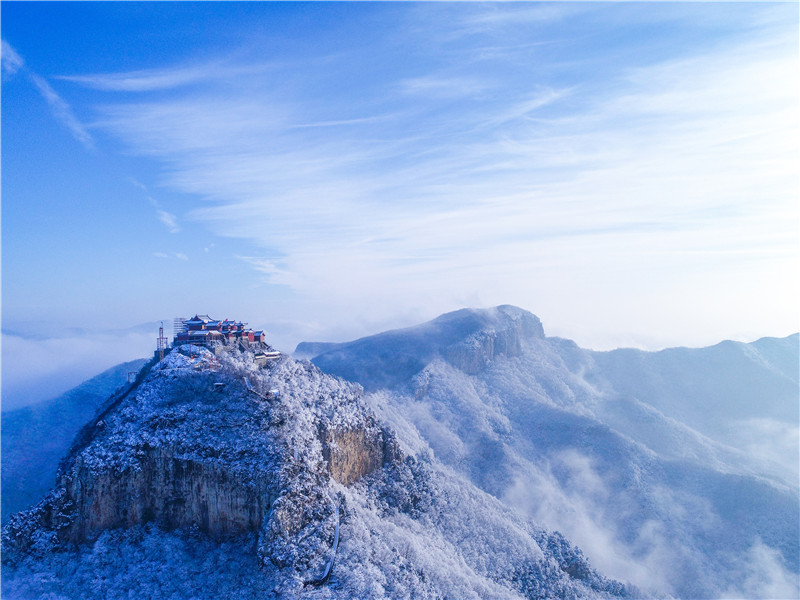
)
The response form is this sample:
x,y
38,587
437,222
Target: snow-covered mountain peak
x,y
214,442
468,321
468,338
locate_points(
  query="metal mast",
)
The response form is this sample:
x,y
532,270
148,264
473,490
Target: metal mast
x,y
162,342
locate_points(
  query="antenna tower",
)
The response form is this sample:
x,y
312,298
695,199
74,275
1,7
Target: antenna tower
x,y
162,342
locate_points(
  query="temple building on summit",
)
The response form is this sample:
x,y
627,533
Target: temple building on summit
x,y
202,330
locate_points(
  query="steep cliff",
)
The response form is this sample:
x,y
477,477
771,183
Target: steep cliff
x,y
503,331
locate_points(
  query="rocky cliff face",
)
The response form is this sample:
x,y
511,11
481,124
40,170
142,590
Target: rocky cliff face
x,y
170,490
353,453
506,330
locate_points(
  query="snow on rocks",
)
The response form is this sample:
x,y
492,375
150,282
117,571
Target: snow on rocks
x,y
181,465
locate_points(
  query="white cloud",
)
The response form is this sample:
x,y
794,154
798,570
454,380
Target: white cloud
x,y
169,220
36,369
12,62
766,575
577,509
442,86
668,173
148,80
488,17
177,255
62,111
140,81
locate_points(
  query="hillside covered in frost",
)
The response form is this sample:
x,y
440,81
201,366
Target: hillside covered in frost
x,y
214,477
674,470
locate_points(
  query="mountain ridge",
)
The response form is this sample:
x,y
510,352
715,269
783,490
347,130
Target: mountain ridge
x,y
566,433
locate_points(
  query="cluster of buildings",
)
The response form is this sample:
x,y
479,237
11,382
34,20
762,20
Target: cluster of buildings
x,y
202,330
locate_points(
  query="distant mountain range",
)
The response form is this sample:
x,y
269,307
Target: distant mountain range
x,y
677,470
36,437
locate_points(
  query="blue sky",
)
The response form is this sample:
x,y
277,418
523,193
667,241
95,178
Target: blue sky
x,y
628,172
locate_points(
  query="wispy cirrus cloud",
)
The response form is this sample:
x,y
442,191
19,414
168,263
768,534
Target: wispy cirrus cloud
x,y
168,219
499,181
178,255
140,81
148,80
62,111
483,17
13,63
443,86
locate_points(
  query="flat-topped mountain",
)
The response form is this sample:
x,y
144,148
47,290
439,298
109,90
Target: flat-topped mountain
x,y
468,338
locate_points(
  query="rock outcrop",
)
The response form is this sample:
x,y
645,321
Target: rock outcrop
x,y
167,489
504,334
353,453
469,339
